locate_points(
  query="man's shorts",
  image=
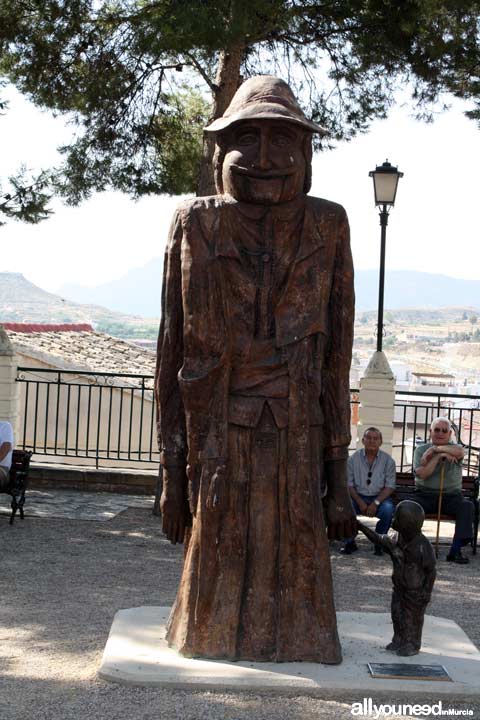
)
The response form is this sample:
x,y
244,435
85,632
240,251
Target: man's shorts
x,y
4,479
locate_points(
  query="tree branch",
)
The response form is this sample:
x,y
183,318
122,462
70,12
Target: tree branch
x,y
193,60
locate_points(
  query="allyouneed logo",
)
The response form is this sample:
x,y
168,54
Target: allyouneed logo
x,y
367,708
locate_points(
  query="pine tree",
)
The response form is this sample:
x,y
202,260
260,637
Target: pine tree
x,y
141,78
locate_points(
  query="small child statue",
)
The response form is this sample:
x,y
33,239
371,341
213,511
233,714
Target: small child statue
x,y
413,575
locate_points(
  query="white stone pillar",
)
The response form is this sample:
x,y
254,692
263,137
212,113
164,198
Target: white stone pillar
x,y
9,388
377,400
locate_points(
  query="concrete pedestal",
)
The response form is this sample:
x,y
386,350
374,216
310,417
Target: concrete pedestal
x,y
136,653
377,400
8,386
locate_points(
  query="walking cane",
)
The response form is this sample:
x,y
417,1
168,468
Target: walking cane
x,y
440,497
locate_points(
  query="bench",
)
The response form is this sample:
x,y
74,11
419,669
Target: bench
x,y
405,488
17,484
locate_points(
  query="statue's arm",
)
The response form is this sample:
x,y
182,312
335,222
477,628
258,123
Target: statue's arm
x,y
429,564
341,519
170,412
373,536
335,397
383,540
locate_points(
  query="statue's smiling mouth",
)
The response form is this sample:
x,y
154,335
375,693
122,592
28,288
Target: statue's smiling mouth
x,y
276,174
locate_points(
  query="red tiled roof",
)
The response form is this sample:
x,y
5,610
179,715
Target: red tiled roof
x,y
78,347
40,327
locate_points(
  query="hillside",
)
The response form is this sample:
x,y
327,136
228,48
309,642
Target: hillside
x,y
22,301
440,338
138,291
413,289
419,316
443,340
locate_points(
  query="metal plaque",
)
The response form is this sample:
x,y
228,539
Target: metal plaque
x,y
404,671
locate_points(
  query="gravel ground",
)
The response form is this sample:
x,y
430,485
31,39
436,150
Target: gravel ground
x,y
61,582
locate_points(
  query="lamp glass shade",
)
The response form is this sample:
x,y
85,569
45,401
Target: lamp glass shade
x,y
385,182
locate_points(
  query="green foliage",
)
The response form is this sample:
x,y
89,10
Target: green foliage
x,y
119,70
456,337
115,158
473,319
178,135
389,340
127,330
26,198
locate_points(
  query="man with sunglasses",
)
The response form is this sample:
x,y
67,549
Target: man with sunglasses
x,y
371,482
431,460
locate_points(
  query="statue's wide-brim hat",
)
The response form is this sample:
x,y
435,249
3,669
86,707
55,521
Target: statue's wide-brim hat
x,y
264,97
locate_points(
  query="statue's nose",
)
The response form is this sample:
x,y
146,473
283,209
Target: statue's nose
x,y
263,161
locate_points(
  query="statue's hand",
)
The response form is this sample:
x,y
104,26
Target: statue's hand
x,y
176,515
216,490
361,526
341,519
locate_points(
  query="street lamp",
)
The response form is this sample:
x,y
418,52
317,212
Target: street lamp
x,y
385,181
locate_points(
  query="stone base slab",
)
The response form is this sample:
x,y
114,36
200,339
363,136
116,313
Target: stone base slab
x,y
91,479
136,653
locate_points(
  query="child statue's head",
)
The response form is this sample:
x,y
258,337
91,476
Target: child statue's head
x,y
408,519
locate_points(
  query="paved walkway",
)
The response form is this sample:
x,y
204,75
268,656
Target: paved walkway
x,y
76,505
64,579
101,507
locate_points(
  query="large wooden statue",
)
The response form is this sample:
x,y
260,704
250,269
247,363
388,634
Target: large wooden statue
x,y
253,387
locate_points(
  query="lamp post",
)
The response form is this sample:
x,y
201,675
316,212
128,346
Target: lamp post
x,y
385,182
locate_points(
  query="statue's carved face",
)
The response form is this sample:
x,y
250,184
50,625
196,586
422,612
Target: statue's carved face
x,y
264,162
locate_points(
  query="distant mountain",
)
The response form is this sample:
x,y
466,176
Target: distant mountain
x,y
407,288
138,291
22,301
137,297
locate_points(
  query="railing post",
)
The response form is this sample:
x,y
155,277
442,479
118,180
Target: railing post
x,y
377,400
9,390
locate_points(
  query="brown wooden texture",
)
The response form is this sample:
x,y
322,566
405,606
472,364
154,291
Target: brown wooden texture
x,y
253,389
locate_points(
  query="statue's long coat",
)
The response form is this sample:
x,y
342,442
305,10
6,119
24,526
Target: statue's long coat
x,y
256,582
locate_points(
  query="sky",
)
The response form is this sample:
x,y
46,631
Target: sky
x,y
433,226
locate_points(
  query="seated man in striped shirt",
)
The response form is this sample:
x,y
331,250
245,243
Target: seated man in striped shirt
x,y
6,448
371,482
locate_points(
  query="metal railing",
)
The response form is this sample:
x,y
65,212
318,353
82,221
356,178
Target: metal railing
x,y
105,417
109,418
413,414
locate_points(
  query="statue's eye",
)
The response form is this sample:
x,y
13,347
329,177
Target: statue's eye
x,y
281,140
247,138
